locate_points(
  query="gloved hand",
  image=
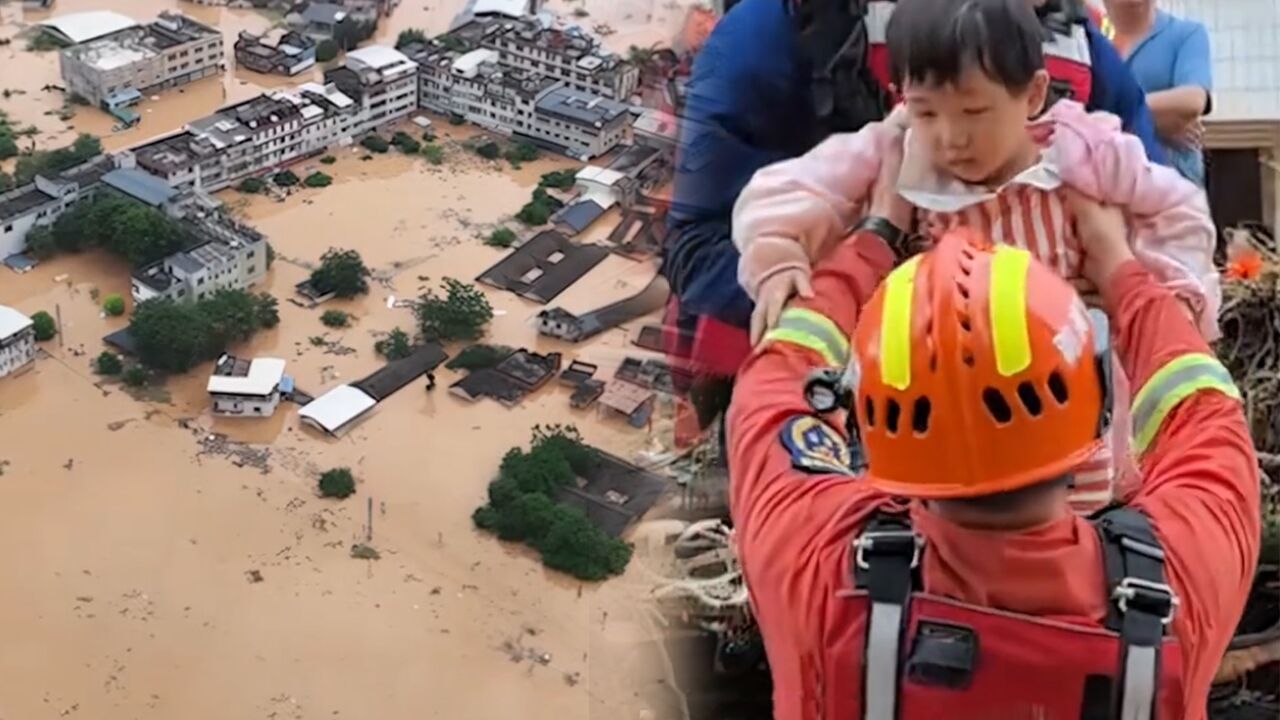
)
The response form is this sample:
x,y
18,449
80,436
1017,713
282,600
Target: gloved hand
x,y
772,296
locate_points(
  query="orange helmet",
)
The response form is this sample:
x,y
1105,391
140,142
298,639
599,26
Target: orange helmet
x,y
976,373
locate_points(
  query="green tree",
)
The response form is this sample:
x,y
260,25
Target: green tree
x,y
528,518
559,179
461,314
251,186
573,545
268,310
501,237
136,376
375,143
477,357
489,150
45,326
342,273
326,50
136,232
6,181
318,180
410,36
337,483
8,147
285,178
40,242
51,162
433,153
521,151
335,319
108,363
328,159
565,440
395,346
170,335
406,143
456,119
538,470
534,214
113,305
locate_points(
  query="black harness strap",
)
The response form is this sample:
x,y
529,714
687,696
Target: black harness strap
x,y
1140,605
886,561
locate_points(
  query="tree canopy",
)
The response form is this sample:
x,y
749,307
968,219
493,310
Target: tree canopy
x,y
44,325
326,50
174,336
337,483
342,273
410,36
138,233
50,162
461,314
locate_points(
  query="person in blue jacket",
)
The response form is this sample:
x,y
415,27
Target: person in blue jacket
x,y
759,94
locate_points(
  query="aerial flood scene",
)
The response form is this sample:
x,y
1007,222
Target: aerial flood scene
x,y
270,334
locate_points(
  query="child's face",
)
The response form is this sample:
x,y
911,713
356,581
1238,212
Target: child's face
x,y
976,128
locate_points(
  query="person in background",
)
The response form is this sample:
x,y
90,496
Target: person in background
x,y
1170,59
775,78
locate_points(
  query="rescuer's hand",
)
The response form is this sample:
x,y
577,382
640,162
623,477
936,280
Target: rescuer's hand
x,y
772,297
1104,237
885,200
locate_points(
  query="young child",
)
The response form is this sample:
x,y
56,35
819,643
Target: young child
x,y
980,150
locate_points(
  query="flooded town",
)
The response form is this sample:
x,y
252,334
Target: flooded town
x,y
181,552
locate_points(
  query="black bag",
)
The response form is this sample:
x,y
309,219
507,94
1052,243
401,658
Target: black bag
x,y
833,36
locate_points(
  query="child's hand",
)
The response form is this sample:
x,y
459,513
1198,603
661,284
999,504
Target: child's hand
x,y
772,297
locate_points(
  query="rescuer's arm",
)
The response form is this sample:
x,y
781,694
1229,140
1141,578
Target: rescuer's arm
x,y
1200,483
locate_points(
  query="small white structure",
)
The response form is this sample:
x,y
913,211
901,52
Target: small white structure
x,y
17,340
337,410
246,387
76,28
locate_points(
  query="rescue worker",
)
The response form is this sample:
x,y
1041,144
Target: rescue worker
x,y
755,98
950,579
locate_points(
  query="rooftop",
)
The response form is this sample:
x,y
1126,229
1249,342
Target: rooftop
x,y
82,27
324,13
259,377
388,62
141,186
337,409
20,201
175,152
581,108
12,322
115,51
172,29
543,267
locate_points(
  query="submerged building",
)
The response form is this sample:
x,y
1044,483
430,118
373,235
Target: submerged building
x,y
226,255
254,388
17,340
278,52
118,69
41,201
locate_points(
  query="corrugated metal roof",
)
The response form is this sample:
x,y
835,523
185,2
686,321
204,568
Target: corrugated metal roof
x,y
12,322
86,26
141,186
337,408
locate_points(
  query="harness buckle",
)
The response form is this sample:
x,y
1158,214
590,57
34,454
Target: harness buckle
x,y
1156,599
887,543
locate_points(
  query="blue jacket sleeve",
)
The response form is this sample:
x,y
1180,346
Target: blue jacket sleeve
x,y
719,152
1116,91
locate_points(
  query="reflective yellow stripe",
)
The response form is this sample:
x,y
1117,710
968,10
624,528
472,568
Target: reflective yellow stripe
x,y
1108,30
812,330
1008,302
1173,383
895,325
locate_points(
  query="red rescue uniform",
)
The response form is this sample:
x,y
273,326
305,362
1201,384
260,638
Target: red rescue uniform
x,y
794,527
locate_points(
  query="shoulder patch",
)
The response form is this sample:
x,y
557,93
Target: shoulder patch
x,y
815,447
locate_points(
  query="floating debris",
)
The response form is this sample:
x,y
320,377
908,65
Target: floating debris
x,y
361,551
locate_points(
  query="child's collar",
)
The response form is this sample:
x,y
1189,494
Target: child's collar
x,y
921,184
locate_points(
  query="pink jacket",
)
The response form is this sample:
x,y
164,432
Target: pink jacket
x,y
790,211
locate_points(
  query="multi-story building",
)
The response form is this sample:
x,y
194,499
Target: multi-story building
x,y
116,70
228,255
44,199
383,81
282,53
569,53
518,102
269,131
240,387
17,340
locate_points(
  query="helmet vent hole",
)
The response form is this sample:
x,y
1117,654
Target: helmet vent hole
x,y
963,290
891,415
920,415
933,362
1058,387
869,410
997,406
966,354
965,323
1030,399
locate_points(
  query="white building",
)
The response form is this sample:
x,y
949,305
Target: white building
x,y
382,81
229,256
336,411
42,201
75,28
118,69
246,387
17,340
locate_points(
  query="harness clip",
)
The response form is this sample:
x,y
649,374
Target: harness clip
x,y
887,543
1157,599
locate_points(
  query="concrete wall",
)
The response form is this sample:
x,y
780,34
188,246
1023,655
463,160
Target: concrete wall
x,y
241,405
17,351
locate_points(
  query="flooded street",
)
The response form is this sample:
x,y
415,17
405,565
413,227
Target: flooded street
x,y
139,524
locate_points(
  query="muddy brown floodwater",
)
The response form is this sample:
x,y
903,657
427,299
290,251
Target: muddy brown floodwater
x,y
134,532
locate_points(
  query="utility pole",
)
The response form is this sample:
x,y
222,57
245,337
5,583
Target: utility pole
x,y
368,538
57,310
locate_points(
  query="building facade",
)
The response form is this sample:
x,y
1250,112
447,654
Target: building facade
x,y
252,388
118,69
228,256
382,81
17,340
43,200
286,53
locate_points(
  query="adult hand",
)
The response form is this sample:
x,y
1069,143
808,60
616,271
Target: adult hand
x,y
1104,237
885,200
772,297
1192,137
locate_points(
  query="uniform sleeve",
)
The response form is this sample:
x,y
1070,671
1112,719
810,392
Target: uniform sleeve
x,y
1173,234
1116,90
792,209
715,160
1200,474
1193,67
782,514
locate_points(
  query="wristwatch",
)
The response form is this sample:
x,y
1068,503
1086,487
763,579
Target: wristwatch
x,y
898,240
